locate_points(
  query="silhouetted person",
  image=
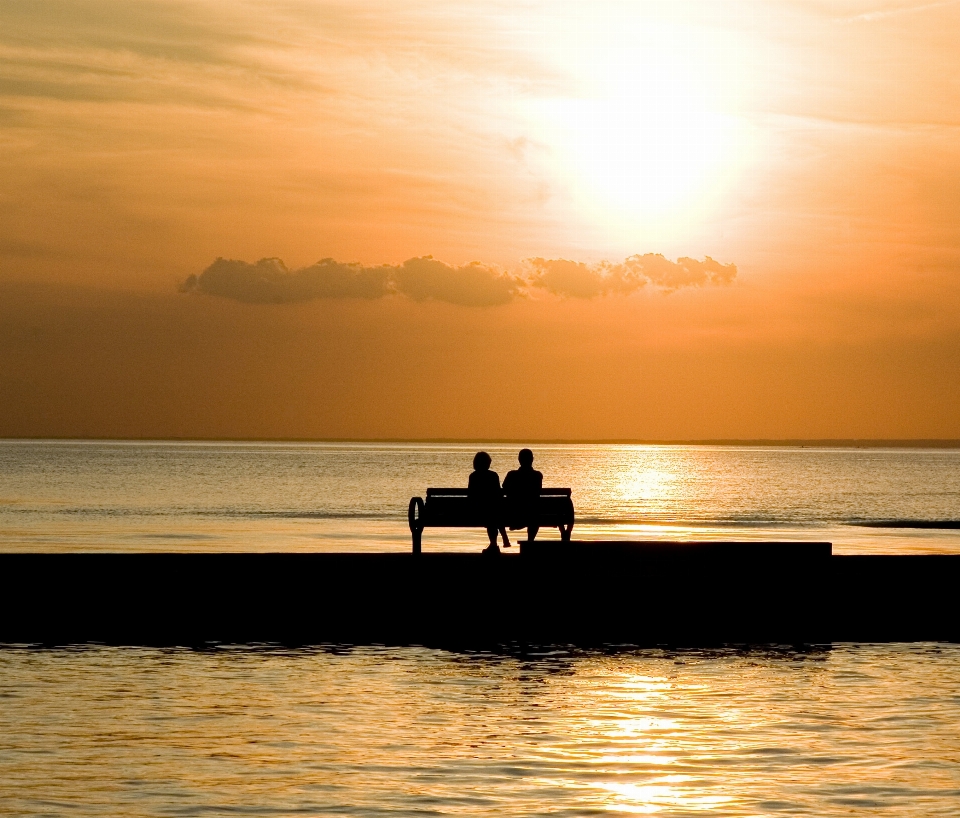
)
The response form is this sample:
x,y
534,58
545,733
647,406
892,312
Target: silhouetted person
x,y
484,492
522,488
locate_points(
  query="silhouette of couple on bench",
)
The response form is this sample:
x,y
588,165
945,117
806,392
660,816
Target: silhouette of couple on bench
x,y
514,504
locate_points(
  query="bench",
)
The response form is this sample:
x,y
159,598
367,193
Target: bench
x,y
451,508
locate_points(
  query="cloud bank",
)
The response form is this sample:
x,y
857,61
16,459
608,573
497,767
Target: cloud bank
x,y
269,281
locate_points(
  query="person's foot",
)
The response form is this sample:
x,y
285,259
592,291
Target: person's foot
x,y
506,543
491,549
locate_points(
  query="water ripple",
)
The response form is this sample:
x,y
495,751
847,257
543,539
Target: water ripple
x,y
344,730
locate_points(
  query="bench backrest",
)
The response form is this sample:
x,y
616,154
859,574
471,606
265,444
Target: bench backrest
x,y
452,507
460,492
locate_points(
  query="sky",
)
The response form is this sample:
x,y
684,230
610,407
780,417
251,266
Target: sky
x,y
529,220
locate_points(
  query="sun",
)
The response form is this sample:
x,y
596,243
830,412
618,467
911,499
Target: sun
x,y
645,137
647,149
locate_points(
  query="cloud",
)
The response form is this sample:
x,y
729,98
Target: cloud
x,y
564,277
152,52
473,285
579,280
686,272
269,281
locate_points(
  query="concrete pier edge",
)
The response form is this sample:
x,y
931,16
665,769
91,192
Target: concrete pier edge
x,y
693,594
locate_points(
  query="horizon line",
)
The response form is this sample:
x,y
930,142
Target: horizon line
x,y
926,443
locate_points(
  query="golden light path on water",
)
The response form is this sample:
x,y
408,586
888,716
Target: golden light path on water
x,y
414,731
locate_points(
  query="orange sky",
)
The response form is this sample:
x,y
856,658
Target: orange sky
x,y
796,165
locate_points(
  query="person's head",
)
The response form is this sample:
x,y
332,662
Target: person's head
x,y
525,457
481,461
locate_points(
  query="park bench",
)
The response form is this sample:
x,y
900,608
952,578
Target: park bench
x,y
451,508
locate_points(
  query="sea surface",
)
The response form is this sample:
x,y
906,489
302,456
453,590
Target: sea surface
x,y
346,730
119,496
366,731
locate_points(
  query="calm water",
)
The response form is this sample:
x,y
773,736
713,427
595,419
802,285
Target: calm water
x,y
66,496
338,730
849,730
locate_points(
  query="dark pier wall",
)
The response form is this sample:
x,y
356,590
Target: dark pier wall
x,y
645,594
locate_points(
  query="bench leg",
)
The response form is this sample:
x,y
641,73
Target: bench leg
x,y
415,517
565,532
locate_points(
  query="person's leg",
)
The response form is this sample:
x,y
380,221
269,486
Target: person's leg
x,y
532,532
504,537
493,548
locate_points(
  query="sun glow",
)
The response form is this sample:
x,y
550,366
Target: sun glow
x,y
648,138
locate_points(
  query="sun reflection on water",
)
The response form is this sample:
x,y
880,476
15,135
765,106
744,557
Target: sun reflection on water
x,y
644,799
638,747
647,743
647,485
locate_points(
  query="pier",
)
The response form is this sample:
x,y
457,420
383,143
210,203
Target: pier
x,y
642,593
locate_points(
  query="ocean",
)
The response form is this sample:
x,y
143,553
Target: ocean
x,y
818,730
338,730
126,496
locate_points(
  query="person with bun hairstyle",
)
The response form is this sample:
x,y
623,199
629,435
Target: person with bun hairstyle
x,y
486,496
